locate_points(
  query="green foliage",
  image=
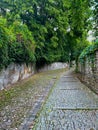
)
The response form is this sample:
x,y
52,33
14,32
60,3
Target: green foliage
x,y
16,44
24,41
88,51
79,24
4,39
95,4
42,25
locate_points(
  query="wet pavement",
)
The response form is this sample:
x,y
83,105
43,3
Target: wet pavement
x,y
70,106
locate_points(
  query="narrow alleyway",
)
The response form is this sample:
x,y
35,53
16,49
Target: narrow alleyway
x,y
70,106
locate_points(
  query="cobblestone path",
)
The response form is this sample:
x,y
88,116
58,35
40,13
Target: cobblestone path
x,y
20,104
70,106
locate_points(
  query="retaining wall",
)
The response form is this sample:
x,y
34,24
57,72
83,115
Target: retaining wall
x,y
53,66
89,72
14,73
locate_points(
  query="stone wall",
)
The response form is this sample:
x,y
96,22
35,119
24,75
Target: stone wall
x,y
14,73
53,66
89,72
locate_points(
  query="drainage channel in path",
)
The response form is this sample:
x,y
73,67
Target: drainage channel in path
x,y
70,106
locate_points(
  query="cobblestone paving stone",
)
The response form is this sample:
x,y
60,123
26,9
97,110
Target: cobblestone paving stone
x,y
70,106
20,113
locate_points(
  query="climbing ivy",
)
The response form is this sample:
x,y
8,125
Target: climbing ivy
x,y
88,56
89,50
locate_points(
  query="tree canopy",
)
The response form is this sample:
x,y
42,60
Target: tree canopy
x,y
43,31
96,18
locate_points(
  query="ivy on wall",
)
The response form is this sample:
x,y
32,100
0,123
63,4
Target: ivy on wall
x,y
88,52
